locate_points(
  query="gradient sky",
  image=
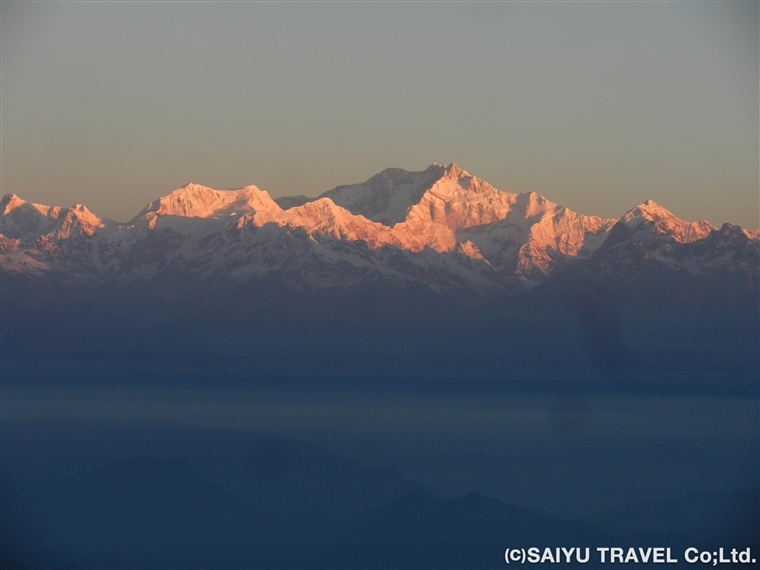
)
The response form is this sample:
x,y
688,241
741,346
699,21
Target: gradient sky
x,y
595,105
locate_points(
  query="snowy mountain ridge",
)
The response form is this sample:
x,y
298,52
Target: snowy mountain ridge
x,y
440,228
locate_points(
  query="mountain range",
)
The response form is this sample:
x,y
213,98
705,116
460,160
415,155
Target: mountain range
x,y
483,365
440,230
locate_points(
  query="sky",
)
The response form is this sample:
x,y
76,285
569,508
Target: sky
x,y
597,106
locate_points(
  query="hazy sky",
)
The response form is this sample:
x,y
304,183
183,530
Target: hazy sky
x,y
595,105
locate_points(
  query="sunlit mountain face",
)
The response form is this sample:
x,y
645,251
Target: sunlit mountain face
x,y
417,371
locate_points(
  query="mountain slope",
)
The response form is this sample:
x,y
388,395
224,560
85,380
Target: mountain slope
x,y
650,240
386,197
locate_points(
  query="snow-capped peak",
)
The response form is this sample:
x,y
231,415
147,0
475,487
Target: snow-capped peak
x,y
10,202
194,200
651,214
454,172
25,220
386,197
648,210
78,219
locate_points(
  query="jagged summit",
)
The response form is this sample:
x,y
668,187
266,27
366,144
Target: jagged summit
x,y
194,200
396,196
453,171
652,217
10,202
731,229
387,196
27,221
78,220
649,210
